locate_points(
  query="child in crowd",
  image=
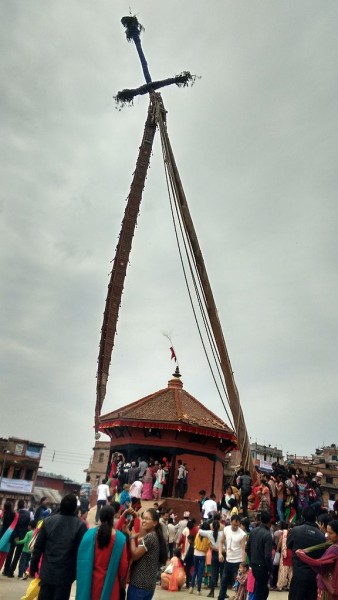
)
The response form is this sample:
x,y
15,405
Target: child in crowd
x,y
275,567
241,580
233,507
26,553
125,499
189,560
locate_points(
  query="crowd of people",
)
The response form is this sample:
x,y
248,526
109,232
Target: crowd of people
x,y
145,478
273,533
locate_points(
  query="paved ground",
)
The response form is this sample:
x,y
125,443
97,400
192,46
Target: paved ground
x,y
184,595
12,589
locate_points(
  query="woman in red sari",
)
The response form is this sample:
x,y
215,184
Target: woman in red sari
x,y
105,540
326,566
173,577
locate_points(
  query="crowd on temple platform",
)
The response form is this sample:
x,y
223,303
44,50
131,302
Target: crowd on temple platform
x,y
271,533
145,478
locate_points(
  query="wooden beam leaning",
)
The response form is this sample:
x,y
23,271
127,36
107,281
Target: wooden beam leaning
x,y
233,396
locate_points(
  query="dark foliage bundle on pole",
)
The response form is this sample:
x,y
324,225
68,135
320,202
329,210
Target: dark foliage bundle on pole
x,y
127,96
133,31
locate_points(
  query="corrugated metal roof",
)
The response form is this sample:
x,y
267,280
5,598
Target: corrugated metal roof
x,y
53,496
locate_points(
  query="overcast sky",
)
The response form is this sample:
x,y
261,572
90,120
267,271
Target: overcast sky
x,y
255,141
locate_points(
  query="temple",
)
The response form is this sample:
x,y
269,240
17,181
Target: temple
x,y
171,423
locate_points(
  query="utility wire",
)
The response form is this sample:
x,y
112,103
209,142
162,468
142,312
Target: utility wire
x,y
173,194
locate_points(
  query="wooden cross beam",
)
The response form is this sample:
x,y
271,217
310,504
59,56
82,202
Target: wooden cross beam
x,y
133,33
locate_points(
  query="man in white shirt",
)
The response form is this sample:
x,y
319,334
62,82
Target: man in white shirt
x,y
103,494
135,490
233,543
179,491
181,525
209,507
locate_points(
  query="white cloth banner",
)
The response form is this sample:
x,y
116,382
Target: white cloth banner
x,y
19,486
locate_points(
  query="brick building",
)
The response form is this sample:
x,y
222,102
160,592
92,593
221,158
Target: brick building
x,y
325,461
19,464
263,455
99,462
54,487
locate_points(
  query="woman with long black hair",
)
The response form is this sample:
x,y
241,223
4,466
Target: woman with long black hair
x,y
148,555
102,563
215,536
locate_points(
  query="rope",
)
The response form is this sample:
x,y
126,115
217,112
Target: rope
x,y
174,196
172,192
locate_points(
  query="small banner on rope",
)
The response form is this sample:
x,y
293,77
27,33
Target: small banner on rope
x,y
173,355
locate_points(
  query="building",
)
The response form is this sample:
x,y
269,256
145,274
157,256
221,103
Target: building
x,y
53,487
172,423
99,462
19,464
265,455
325,461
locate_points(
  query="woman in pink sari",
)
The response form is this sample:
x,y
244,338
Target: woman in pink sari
x,y
147,491
326,566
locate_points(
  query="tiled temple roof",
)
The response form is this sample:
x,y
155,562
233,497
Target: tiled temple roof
x,y
169,408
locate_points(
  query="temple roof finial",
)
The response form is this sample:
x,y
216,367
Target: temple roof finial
x,y
177,373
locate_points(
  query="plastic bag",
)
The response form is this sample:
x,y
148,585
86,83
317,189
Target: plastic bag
x,y
169,568
33,590
276,559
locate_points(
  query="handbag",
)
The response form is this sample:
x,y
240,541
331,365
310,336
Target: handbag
x,y
276,559
169,569
32,591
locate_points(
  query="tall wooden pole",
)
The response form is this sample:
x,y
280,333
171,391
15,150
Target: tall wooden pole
x,y
123,248
234,400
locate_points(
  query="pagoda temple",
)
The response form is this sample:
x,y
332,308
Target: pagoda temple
x,y
171,423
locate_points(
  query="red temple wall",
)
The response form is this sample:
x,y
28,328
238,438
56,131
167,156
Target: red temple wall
x,y
200,475
199,465
49,482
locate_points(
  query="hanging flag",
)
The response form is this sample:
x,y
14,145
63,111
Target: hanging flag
x,y
173,355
